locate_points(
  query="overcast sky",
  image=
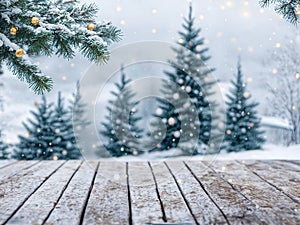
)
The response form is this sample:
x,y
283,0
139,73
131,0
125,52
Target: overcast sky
x,y
231,28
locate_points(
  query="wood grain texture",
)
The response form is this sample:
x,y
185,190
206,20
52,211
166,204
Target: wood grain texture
x,y
201,206
288,166
145,205
37,207
69,207
174,206
235,206
140,193
5,163
282,178
19,188
8,171
108,203
274,205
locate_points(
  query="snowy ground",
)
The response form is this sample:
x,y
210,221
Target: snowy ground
x,y
267,153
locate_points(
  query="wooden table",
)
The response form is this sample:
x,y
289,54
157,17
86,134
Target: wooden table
x,y
171,192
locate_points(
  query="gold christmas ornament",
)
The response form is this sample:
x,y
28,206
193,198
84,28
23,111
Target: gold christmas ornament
x,y
20,53
13,30
90,26
35,21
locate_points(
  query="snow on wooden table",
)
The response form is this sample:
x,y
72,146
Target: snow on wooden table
x,y
137,193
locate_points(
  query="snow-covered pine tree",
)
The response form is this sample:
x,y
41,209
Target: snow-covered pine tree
x,y
3,148
165,134
120,130
243,126
32,27
49,134
1,70
64,143
191,76
78,109
37,143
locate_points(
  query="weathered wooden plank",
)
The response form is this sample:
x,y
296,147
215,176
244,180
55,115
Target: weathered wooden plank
x,y
237,208
199,203
278,208
293,169
21,186
15,168
261,192
108,202
145,204
69,207
37,207
5,163
280,177
288,166
296,162
174,206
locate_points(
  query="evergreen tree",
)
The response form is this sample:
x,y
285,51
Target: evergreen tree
x,y
165,132
1,70
3,148
33,27
49,135
190,77
243,125
120,129
37,144
77,107
64,143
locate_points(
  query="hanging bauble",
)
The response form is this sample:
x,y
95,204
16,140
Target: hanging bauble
x,y
20,53
90,26
35,21
13,30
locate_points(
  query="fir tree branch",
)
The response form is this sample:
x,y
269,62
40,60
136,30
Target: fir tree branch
x,y
289,9
62,29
